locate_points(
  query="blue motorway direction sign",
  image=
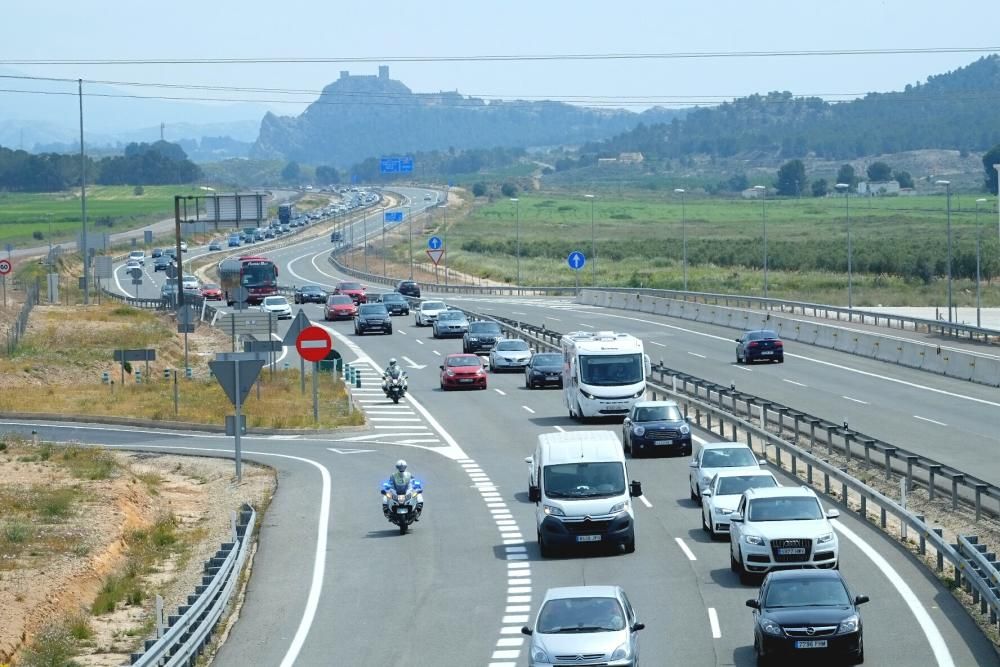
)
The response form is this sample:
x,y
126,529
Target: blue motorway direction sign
x,y
434,243
576,260
393,216
396,165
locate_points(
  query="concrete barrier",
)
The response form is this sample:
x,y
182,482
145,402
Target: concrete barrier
x,y
677,309
827,337
987,371
935,360
912,355
661,306
868,345
960,366
808,333
889,350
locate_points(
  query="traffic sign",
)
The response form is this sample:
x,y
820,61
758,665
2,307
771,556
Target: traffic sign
x,y
314,343
393,216
434,243
226,373
240,294
5,267
298,325
435,255
576,260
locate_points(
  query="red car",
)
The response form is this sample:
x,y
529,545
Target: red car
x,y
211,292
354,290
462,371
339,307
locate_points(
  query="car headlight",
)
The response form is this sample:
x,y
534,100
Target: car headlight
x,y
722,511
538,654
849,624
823,539
620,507
480,372
685,429
754,539
552,510
621,653
639,393
638,430
450,373
770,627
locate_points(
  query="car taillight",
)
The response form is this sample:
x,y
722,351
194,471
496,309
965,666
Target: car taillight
x,y
778,343
754,344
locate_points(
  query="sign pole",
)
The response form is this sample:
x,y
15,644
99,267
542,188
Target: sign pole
x,y
315,392
123,366
239,463
302,375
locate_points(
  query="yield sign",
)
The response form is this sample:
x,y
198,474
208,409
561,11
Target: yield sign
x,y
227,372
314,343
295,328
435,255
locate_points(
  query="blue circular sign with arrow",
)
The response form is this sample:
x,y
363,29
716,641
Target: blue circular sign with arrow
x,y
576,260
434,243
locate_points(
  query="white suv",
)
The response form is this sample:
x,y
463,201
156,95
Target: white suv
x,y
139,256
783,527
427,312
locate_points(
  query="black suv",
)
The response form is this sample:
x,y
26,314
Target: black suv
x,y
395,303
372,317
408,288
481,337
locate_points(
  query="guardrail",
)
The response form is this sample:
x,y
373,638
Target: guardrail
x,y
972,568
187,634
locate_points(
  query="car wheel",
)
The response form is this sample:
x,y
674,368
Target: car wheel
x,y
443,388
389,331
630,546
543,549
859,657
745,577
626,445
694,496
704,524
733,565
762,660
738,359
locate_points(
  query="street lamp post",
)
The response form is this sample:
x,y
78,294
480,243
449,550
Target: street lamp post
x,y
763,218
384,272
593,242
979,244
845,187
517,233
684,236
409,217
947,185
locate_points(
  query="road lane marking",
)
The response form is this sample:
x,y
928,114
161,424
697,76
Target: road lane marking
x,y
797,384
500,391
561,430
589,326
744,369
856,400
420,341
528,409
653,342
402,333
436,352
549,317
713,621
695,354
933,421
646,502
687,552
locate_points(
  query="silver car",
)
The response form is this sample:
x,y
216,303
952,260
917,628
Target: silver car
x,y
450,323
584,625
510,354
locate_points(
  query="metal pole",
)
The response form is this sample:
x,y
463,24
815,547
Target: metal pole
x,y
302,375
444,212
593,243
385,273
979,243
237,429
949,254
83,198
409,217
364,235
176,395
684,236
763,217
517,235
315,392
850,254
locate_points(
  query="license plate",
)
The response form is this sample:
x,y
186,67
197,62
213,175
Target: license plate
x,y
465,380
663,442
552,377
792,551
402,510
767,352
812,643
588,538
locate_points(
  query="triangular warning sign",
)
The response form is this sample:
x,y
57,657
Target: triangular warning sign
x,y
435,255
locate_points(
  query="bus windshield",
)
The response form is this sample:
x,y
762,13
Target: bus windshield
x,y
259,275
610,370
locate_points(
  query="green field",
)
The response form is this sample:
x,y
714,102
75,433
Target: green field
x,y
899,245
109,209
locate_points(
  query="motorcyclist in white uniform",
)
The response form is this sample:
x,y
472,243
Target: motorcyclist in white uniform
x,y
401,479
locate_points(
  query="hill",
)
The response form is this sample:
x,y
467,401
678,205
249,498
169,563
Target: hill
x,y
357,117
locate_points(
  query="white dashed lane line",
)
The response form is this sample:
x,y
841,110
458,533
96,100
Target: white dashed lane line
x,y
500,391
687,551
695,354
528,409
645,502
797,384
713,621
855,400
653,342
933,421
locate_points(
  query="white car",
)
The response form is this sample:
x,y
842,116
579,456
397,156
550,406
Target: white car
x,y
184,246
277,305
782,527
191,283
723,493
138,256
510,354
131,263
427,312
714,457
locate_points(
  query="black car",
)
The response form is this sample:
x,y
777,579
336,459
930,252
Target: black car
x,y
336,237
758,345
544,369
481,337
800,615
310,294
157,252
372,317
162,262
408,288
395,303
656,426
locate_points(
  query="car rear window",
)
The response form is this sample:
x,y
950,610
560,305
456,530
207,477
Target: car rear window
x,y
373,309
728,457
735,486
466,360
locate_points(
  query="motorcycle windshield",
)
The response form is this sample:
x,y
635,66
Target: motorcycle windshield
x,y
395,373
401,488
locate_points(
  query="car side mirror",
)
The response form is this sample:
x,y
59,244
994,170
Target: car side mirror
x,y
833,514
735,517
693,463
441,366
638,626
762,462
534,494
635,489
529,460
525,630
860,599
737,340
753,604
706,492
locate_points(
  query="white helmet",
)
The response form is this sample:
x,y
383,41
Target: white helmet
x,y
401,465
392,362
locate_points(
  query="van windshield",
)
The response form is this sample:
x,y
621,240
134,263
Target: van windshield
x,y
584,480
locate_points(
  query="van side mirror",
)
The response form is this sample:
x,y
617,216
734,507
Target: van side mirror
x,y
707,493
635,489
534,494
693,463
529,460
753,604
441,366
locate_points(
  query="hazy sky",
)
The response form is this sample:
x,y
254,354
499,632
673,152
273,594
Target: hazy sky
x,y
294,28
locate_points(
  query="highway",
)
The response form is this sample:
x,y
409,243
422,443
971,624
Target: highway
x,y
334,583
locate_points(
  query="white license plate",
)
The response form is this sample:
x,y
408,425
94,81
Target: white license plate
x,y
812,643
767,352
552,377
465,380
663,442
402,510
588,538
792,551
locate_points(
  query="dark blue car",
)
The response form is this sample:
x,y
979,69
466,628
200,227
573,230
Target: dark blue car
x,y
544,369
656,427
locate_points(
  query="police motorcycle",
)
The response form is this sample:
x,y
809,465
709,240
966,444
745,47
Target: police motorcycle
x,y
402,498
394,382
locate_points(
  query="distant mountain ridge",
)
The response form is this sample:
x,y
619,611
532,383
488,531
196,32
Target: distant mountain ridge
x,y
358,117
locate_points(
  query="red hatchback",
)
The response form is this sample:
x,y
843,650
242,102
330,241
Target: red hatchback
x,y
462,371
339,307
211,292
354,290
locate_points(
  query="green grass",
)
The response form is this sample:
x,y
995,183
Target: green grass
x,y
53,646
146,548
22,214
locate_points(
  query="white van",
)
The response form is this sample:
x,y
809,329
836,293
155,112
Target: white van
x,y
578,482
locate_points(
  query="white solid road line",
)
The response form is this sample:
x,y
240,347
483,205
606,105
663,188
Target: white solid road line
x,y
528,409
933,421
695,354
941,653
685,549
856,400
549,317
797,384
646,502
436,352
713,621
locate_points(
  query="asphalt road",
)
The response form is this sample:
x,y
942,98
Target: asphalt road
x,y
349,590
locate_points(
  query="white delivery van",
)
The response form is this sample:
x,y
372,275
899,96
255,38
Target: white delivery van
x,y
578,481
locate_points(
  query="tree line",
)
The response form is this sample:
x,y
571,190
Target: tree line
x,y
159,163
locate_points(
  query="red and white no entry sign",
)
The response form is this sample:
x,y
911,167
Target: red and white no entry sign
x,y
5,267
314,343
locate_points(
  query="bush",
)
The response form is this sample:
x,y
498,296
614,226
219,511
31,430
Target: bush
x,y
508,189
138,191
37,235
52,647
479,189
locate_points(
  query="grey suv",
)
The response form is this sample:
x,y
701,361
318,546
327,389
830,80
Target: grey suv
x,y
481,337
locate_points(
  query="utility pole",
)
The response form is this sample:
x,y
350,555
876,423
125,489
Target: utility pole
x,y
83,201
